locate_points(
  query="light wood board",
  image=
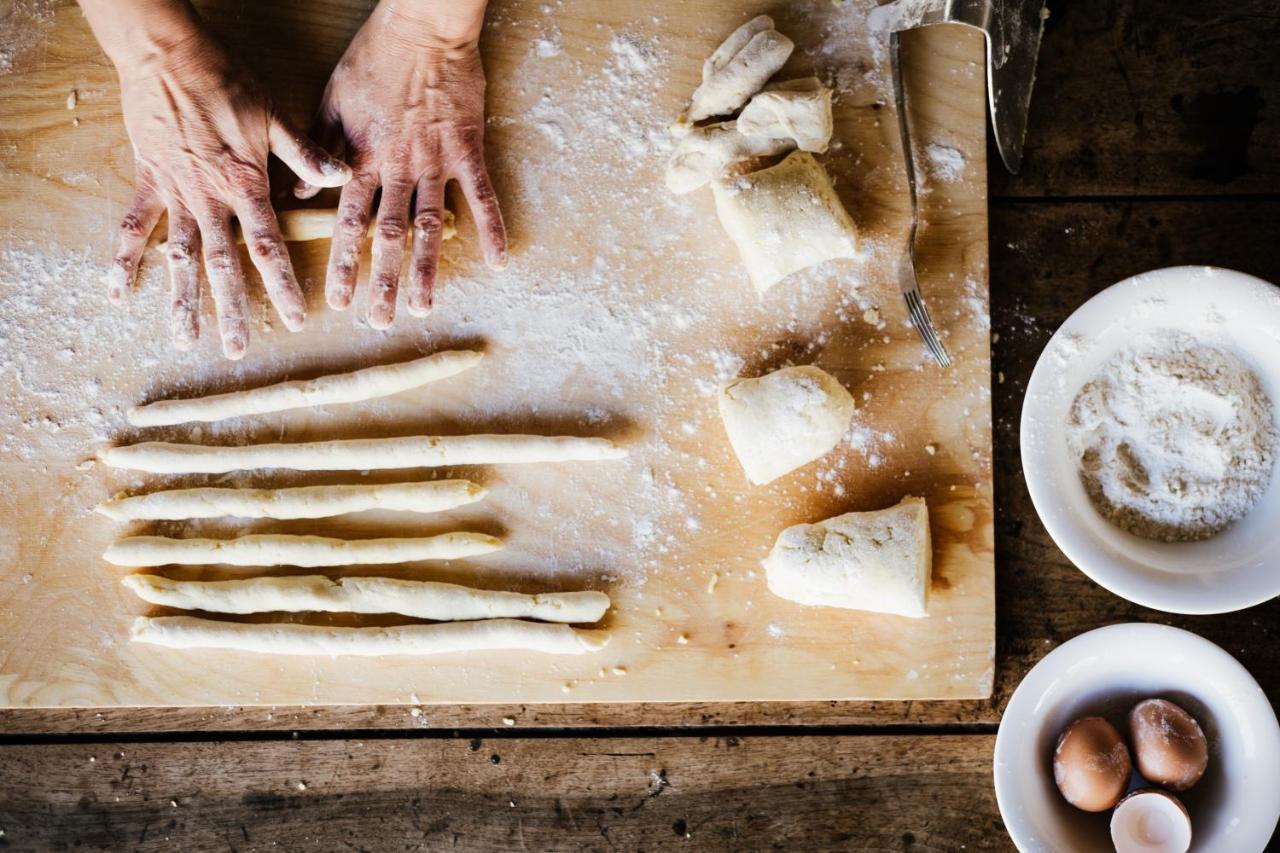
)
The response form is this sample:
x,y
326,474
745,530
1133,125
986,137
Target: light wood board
x,y
623,308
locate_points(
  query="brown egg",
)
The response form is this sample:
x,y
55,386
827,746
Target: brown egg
x,y
1091,764
1168,745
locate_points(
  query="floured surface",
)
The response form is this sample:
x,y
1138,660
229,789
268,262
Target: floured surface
x,y
623,311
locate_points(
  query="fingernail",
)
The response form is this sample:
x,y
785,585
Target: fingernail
x,y
295,320
234,346
117,283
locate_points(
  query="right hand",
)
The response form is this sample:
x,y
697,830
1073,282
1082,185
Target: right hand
x,y
202,129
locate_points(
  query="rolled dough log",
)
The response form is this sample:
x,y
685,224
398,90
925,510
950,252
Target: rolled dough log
x,y
785,419
443,602
795,110
738,69
269,549
302,502
187,632
361,454
784,219
302,225
878,561
367,384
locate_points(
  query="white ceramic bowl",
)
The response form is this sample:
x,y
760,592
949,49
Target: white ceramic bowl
x,y
1234,807
1240,566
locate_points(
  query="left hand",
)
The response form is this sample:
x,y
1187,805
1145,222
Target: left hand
x,y
406,106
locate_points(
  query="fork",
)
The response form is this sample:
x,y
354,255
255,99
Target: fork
x,y
916,308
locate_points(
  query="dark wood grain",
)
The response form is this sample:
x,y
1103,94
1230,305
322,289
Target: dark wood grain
x,y
826,793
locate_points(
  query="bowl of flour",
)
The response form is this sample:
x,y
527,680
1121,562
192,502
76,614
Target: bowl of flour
x,y
1150,439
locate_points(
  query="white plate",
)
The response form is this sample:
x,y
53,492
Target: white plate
x,y
1234,807
1239,567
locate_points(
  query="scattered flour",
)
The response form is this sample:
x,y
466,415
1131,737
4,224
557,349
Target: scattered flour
x,y
946,164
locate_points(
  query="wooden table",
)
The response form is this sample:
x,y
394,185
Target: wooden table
x,y
1154,141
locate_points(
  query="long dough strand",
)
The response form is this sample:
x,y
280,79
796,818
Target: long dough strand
x,y
283,550
444,602
361,454
188,632
381,381
304,224
302,502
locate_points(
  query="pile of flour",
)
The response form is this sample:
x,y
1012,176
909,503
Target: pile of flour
x,y
1175,438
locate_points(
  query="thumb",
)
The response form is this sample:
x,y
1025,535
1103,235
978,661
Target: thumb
x,y
308,161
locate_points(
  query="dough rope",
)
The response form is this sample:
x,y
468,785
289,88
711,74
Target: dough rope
x,y
316,593
304,224
301,502
285,550
361,454
356,386
188,632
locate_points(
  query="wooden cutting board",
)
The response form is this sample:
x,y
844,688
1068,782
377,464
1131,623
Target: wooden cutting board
x,y
623,310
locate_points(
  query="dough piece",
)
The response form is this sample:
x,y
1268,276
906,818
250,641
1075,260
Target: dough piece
x,y
784,219
302,502
443,602
795,110
268,549
361,454
187,632
784,419
381,381
878,561
738,69
302,225
706,153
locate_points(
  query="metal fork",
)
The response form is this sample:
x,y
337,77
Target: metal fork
x,y
907,268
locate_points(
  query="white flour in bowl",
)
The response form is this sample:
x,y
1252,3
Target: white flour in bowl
x,y
1175,438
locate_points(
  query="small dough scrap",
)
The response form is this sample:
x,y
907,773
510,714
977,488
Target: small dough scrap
x,y
443,602
785,419
287,638
299,502
707,152
738,69
354,387
277,549
784,219
795,110
879,561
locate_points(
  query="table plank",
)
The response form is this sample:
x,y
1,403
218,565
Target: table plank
x,y
554,793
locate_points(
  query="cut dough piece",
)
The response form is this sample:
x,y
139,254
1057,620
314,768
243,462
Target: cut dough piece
x,y
268,549
795,110
738,69
785,419
302,225
359,454
878,561
302,502
784,219
706,153
443,602
367,384
188,632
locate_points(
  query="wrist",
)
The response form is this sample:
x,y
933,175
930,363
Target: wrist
x,y
446,25
143,37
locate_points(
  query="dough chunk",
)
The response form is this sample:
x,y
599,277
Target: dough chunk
x,y
738,69
784,219
360,454
271,549
785,419
367,384
188,632
878,561
795,110
707,152
301,502
443,602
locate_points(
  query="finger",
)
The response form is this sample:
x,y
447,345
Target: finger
x,y
388,251
271,257
428,222
226,279
184,277
483,202
135,227
348,239
307,160
328,135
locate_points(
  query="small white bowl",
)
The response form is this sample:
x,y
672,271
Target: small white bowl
x,y
1237,568
1234,807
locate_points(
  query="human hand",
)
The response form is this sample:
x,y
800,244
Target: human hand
x,y
405,107
202,129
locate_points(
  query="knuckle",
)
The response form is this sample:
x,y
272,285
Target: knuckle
x,y
351,225
132,226
181,251
218,261
267,247
428,221
392,228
